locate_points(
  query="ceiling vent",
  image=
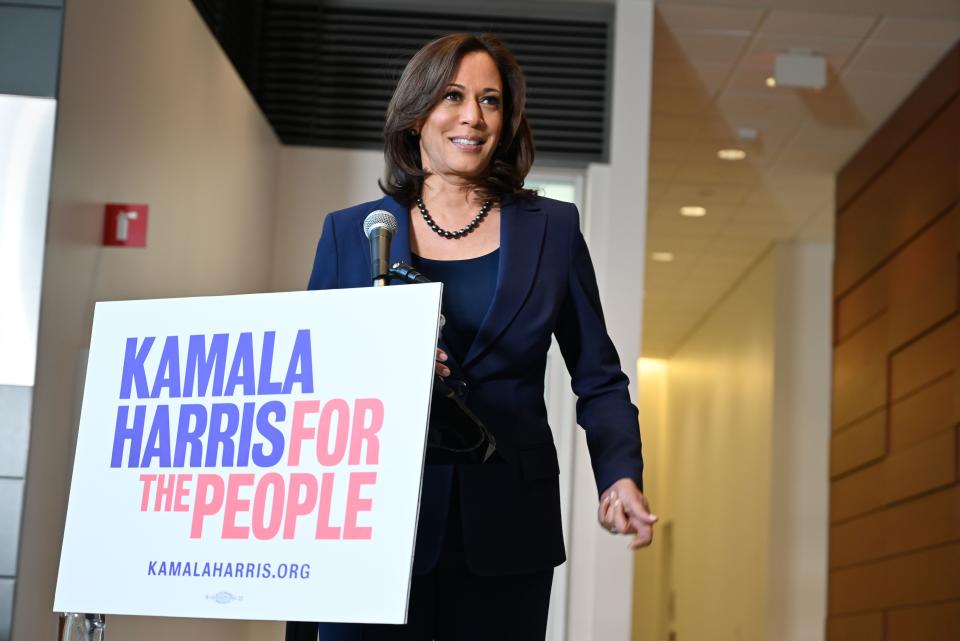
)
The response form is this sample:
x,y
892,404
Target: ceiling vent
x,y
325,71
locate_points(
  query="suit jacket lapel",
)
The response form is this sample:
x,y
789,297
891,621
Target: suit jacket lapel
x,y
400,249
522,228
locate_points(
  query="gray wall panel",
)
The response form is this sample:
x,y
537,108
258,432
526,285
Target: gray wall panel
x,y
14,429
29,50
33,3
6,608
11,502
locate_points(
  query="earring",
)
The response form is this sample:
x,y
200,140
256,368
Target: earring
x,y
413,132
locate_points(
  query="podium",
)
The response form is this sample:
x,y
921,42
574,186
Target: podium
x,y
251,457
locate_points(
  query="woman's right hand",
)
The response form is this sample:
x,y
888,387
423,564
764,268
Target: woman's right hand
x,y
442,370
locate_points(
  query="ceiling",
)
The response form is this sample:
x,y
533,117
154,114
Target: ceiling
x,y
710,66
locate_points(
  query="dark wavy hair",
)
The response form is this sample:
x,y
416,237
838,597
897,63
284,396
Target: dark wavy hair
x,y
422,86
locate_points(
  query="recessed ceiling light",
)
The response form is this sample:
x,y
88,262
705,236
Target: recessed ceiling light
x,y
692,211
771,82
661,257
731,154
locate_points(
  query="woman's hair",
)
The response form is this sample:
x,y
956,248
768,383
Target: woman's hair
x,y
422,85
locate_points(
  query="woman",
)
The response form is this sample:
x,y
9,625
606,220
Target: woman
x,y
516,272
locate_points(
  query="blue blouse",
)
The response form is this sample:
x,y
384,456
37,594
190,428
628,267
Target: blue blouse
x,y
468,287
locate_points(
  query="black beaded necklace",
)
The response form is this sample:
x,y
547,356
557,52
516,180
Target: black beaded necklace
x,y
463,231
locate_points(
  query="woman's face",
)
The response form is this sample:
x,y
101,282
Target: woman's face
x,y
460,134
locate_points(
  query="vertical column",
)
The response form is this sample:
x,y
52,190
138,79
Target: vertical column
x,y
601,568
30,32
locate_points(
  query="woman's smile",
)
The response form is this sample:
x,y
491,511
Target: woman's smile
x,y
470,144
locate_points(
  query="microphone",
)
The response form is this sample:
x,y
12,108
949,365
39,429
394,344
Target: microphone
x,y
379,228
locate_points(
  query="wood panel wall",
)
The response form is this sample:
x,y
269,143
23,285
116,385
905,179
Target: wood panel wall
x,y
895,448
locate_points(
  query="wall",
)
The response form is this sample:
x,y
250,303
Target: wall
x,y
312,182
150,111
895,449
715,451
800,442
29,64
601,569
736,434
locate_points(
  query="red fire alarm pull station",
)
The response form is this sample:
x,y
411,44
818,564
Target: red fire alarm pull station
x,y
125,225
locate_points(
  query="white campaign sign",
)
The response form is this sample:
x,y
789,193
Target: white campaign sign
x,y
252,457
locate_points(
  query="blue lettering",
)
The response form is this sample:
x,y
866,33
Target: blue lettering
x,y
168,372
187,436
300,369
222,434
158,442
242,368
133,372
202,363
264,384
133,433
277,411
246,432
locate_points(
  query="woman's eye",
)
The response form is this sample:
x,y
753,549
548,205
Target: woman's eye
x,y
452,95
493,101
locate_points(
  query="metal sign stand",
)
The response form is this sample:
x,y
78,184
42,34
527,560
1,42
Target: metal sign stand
x,y
82,627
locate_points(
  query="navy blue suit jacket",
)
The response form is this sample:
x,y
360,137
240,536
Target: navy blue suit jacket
x,y
545,287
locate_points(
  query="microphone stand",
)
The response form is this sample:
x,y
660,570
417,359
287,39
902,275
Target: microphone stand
x,y
82,627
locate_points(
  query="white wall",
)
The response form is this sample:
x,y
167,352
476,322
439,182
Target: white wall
x,y
737,435
312,182
601,567
150,111
800,445
716,453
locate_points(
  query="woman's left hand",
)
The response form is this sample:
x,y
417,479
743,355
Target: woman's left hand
x,y
625,510
442,370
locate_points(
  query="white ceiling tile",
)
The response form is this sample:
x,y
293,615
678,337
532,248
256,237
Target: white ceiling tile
x,y
751,75
666,126
705,195
753,109
765,215
917,31
655,190
669,150
670,210
679,243
716,128
759,230
812,184
814,136
695,46
758,154
790,201
710,18
703,77
729,243
675,102
816,24
667,227
662,171
825,158
717,172
897,57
